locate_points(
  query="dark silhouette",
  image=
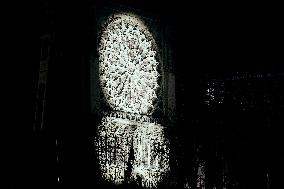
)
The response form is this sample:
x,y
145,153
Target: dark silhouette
x,y
129,164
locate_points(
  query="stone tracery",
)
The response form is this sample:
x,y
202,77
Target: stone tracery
x,y
128,71
128,66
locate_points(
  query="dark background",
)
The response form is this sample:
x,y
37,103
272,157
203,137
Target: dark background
x,y
207,44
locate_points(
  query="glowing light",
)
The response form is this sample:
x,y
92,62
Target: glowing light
x,y
214,92
201,175
150,159
130,145
128,65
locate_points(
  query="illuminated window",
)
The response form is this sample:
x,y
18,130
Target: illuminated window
x,y
128,65
117,137
130,144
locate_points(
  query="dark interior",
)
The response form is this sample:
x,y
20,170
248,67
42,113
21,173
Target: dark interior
x,y
237,52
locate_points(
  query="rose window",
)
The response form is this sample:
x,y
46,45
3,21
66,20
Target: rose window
x,y
130,144
128,66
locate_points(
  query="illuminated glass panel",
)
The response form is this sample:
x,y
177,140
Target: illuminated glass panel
x,y
128,65
130,145
116,137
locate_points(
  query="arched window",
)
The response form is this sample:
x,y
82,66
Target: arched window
x,y
130,144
